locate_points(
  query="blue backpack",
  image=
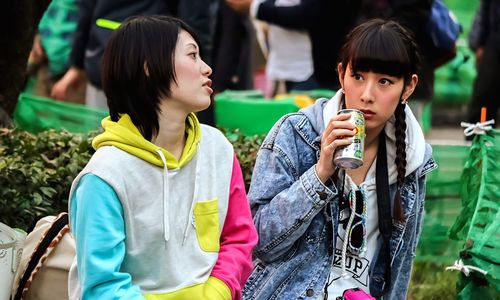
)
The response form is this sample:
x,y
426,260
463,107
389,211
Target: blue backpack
x,y
443,27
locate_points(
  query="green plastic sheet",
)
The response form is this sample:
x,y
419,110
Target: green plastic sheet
x,y
35,114
478,223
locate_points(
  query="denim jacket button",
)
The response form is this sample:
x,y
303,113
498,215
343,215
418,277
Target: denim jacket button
x,y
321,202
322,195
310,293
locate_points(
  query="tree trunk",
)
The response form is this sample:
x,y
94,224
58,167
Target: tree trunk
x,y
18,24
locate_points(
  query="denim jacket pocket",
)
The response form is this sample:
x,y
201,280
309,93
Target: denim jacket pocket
x,y
206,217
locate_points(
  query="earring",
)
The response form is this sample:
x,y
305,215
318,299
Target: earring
x,y
404,101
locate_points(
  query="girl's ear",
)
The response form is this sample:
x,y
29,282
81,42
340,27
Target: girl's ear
x,y
340,71
410,87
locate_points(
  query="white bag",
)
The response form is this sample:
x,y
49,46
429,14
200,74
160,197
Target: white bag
x,y
44,266
11,242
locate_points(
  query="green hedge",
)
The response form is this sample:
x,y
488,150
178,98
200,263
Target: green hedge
x,y
36,171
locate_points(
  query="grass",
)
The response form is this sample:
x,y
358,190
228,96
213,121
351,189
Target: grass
x,y
430,281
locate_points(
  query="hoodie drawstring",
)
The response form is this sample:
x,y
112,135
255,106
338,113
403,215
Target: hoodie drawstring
x,y
166,206
193,201
166,203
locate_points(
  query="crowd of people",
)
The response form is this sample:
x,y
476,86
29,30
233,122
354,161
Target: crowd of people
x,y
161,211
300,45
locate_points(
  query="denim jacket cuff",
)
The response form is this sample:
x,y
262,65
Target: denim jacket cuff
x,y
317,191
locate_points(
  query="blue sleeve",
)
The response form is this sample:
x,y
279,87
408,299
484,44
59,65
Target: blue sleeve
x,y
99,228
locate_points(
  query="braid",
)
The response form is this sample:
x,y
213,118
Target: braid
x,y
400,159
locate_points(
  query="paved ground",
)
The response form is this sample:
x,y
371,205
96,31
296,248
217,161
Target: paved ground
x,y
447,135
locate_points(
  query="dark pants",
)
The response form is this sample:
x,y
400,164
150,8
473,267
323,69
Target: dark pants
x,y
307,85
486,90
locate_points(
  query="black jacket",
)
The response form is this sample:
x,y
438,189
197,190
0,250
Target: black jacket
x,y
90,39
486,26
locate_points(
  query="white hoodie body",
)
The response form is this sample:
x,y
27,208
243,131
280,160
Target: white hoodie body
x,y
159,237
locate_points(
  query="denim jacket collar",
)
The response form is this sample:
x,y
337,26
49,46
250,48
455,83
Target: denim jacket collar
x,y
312,117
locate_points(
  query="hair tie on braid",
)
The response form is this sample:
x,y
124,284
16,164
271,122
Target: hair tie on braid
x,y
400,132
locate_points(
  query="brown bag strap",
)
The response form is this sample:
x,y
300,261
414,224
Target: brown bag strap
x,y
51,238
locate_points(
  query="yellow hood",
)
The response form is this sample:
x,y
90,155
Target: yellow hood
x,y
125,136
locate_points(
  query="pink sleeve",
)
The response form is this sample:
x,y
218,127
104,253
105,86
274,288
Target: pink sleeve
x,y
239,236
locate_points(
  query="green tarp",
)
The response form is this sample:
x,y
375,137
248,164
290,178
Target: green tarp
x,y
36,114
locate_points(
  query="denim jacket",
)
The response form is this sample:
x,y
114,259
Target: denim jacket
x,y
291,206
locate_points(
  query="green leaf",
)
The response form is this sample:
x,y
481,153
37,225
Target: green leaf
x,y
37,199
48,191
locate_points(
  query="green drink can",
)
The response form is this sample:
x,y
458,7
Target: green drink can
x,y
351,156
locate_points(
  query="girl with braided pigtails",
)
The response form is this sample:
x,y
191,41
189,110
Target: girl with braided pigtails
x,y
326,232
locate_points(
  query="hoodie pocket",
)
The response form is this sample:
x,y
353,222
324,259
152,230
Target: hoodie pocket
x,y
206,218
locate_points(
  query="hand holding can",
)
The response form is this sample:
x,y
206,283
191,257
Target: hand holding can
x,y
337,133
351,156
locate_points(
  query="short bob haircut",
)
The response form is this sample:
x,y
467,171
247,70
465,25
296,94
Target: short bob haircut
x,y
381,46
141,43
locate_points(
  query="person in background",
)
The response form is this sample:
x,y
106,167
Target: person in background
x,y
322,229
160,210
231,53
231,61
289,60
318,26
49,57
484,40
98,19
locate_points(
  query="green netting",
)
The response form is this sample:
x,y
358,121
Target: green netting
x,y
444,182
479,221
35,114
442,205
434,245
469,289
251,115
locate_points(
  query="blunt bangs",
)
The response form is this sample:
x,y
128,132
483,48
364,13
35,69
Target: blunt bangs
x,y
381,47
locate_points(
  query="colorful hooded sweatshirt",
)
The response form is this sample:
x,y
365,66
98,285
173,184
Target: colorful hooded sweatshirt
x,y
149,226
